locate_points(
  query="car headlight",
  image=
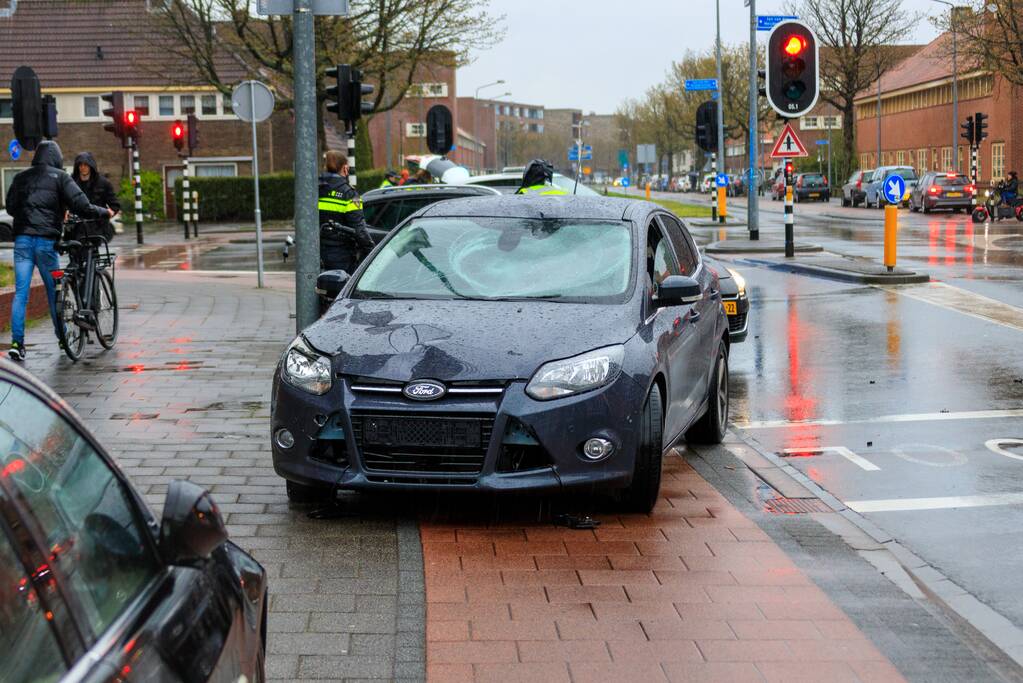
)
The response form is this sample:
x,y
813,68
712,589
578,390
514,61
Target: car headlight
x,y
586,372
306,369
740,281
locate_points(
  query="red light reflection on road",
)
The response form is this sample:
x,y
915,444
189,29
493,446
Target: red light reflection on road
x,y
932,243
798,405
969,244
950,244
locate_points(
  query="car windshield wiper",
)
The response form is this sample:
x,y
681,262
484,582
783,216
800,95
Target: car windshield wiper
x,y
369,294
538,297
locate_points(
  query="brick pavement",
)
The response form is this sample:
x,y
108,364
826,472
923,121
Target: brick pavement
x,y
694,592
185,394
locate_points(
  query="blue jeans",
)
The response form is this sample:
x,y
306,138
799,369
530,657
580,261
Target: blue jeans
x,y
32,252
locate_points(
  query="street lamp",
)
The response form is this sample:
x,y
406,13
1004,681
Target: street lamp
x,y
579,149
476,116
955,82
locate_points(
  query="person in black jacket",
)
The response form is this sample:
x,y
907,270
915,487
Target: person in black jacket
x,y
38,200
98,189
344,239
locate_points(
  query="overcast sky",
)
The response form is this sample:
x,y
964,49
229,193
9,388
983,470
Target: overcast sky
x,y
623,46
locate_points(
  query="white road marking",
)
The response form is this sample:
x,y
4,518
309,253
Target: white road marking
x,y
944,503
953,298
996,446
840,450
957,458
909,417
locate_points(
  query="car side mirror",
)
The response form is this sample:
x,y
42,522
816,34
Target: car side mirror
x,y
191,527
678,290
330,283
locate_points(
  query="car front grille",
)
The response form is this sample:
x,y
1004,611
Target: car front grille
x,y
435,444
736,323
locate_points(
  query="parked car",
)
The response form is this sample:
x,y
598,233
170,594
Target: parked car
x,y
853,193
952,191
734,298
495,340
873,190
92,585
508,183
811,187
778,186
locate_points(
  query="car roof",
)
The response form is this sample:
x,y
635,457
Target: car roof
x,y
538,206
438,190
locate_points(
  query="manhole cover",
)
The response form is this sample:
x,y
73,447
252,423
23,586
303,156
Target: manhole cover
x,y
795,506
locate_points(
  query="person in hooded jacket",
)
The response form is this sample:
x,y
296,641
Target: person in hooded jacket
x,y
38,200
538,179
344,239
98,189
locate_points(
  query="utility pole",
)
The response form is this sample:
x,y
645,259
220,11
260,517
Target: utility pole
x,y
307,229
879,162
721,100
752,208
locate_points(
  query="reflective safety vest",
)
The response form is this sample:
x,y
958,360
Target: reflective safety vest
x,y
334,203
386,183
543,190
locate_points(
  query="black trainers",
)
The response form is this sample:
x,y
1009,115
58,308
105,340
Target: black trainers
x,y
17,352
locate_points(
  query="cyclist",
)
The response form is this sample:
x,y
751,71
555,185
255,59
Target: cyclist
x,y
343,233
538,178
98,189
37,201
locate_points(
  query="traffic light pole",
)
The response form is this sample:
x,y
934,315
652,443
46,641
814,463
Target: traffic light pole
x,y
720,110
351,154
973,177
307,228
790,217
186,198
137,174
752,206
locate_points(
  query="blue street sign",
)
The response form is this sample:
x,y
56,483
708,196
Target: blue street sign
x,y
625,182
766,22
823,142
694,84
714,95
14,149
721,180
894,189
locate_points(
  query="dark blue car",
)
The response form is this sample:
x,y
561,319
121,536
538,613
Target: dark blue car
x,y
509,344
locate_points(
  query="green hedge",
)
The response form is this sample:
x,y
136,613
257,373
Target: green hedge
x,y
230,198
152,196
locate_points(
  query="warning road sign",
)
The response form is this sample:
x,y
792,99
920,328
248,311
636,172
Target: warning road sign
x,y
788,145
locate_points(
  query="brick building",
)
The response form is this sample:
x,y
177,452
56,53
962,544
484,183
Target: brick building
x,y
916,116
81,49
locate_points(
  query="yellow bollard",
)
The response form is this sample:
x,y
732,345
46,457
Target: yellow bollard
x,y
722,204
891,238
648,191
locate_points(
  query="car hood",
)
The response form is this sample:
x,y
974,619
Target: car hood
x,y
463,340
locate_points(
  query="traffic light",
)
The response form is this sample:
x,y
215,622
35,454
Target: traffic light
x,y
793,82
193,132
707,126
114,110
338,91
25,105
980,128
968,130
359,89
131,126
789,169
178,135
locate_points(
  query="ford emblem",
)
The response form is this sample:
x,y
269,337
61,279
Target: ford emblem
x,y
424,390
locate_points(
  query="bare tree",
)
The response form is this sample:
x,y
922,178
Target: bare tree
x,y
990,34
858,39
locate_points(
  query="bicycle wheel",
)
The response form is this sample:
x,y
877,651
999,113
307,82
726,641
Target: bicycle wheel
x,y
106,309
71,336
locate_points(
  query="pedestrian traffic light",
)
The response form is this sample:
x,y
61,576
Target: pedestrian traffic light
x,y
193,132
707,126
980,128
968,129
25,105
359,89
178,135
115,111
793,82
131,126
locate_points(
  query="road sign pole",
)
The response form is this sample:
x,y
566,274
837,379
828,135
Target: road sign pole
x,y
973,178
255,185
186,205
307,232
752,205
137,172
352,176
891,232
721,103
790,218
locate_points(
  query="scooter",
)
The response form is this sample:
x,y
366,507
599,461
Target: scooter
x,y
994,208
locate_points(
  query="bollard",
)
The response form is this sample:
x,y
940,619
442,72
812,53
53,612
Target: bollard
x,y
195,213
891,238
648,191
722,204
713,212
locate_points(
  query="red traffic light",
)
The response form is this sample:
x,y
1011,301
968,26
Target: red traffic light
x,y
788,167
131,117
794,46
178,131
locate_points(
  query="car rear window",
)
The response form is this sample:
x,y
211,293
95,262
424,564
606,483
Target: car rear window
x,y
503,258
906,173
813,178
945,181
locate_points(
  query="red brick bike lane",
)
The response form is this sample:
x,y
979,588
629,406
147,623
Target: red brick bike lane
x,y
694,591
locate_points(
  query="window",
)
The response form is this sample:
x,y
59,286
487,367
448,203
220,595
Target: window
x,y
429,90
6,108
685,250
166,105
809,123
90,106
659,261
142,104
998,160
415,130
518,112
96,536
921,159
216,170
946,158
209,105
228,109
900,158
23,626
187,104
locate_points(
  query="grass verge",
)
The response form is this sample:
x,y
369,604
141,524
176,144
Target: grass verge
x,y
680,209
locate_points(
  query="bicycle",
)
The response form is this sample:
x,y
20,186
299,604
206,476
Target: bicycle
x,y
86,297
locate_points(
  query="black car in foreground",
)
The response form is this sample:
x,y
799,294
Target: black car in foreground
x,y
92,586
509,344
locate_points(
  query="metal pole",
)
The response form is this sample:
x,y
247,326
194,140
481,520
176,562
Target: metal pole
x,y
351,155
790,218
389,155
186,199
879,162
255,183
721,102
955,92
975,180
136,169
830,179
307,233
752,206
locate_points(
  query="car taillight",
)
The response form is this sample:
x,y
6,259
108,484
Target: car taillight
x,y
859,184
56,274
972,189
825,181
934,189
